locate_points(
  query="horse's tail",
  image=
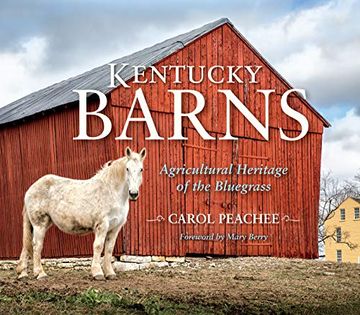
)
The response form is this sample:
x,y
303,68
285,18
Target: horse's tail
x,y
27,248
27,232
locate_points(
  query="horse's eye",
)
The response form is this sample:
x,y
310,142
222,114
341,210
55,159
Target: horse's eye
x,y
141,169
127,169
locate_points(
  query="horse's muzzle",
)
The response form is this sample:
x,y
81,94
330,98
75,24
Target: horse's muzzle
x,y
133,196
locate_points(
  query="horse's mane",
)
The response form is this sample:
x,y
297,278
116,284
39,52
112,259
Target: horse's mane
x,y
111,168
104,166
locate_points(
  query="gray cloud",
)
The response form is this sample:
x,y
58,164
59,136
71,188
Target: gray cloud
x,y
317,49
341,153
47,41
81,33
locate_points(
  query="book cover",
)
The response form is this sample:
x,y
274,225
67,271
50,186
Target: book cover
x,y
189,144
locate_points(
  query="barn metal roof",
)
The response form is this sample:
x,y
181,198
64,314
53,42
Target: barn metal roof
x,y
61,93
98,78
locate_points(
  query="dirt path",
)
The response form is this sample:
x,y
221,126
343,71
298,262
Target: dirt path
x,y
219,286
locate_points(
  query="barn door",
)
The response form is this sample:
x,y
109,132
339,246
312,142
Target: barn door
x,y
252,153
198,151
237,237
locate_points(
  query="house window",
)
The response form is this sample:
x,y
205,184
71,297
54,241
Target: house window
x,y
356,213
338,255
338,234
342,214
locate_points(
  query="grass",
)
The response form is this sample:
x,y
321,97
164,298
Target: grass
x,y
97,301
93,297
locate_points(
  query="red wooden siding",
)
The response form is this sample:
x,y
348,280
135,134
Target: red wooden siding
x,y
45,145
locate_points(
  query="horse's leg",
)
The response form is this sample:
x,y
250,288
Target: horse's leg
x,y
109,247
38,242
26,251
100,235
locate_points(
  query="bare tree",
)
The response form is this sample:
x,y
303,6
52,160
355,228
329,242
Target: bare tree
x,y
332,194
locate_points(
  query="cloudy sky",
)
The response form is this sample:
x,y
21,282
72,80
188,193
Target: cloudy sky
x,y
314,44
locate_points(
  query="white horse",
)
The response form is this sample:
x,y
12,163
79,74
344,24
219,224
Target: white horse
x,y
99,204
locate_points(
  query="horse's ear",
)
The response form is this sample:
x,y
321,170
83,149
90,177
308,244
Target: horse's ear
x,y
142,154
128,152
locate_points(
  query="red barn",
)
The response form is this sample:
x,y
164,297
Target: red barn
x,y
36,138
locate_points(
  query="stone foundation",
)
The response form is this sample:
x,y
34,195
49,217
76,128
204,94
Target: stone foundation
x,y
122,263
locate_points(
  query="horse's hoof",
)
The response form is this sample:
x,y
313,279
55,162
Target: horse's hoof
x,y
23,276
111,277
19,269
41,276
99,277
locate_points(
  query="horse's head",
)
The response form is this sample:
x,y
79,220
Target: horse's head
x,y
134,170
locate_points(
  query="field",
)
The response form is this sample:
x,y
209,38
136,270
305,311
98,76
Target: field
x,y
200,286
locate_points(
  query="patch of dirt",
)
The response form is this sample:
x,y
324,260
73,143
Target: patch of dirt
x,y
229,286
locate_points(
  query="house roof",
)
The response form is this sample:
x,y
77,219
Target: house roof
x,y
356,199
61,93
